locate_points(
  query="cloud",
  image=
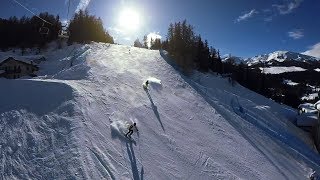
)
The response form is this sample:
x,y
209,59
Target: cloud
x,y
154,36
296,34
127,38
313,50
247,15
83,4
288,7
268,19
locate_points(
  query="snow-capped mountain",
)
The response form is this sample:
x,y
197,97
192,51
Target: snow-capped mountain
x,y
233,59
280,57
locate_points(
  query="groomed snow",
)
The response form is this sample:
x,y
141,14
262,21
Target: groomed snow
x,y
279,69
69,123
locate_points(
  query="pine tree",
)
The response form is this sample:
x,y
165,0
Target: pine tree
x,y
137,43
85,28
145,41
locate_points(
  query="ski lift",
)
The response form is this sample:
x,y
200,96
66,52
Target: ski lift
x,y
44,30
63,33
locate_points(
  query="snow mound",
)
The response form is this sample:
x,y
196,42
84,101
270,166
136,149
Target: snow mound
x,y
154,83
153,80
34,96
119,128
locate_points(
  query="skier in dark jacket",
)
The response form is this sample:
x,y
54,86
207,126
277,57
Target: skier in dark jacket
x,y
131,130
146,85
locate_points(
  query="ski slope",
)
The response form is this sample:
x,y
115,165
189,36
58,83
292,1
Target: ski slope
x,y
68,123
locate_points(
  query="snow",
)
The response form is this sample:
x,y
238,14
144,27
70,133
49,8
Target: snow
x,y
280,69
307,119
317,105
280,56
311,96
318,69
307,108
237,60
289,82
69,122
26,59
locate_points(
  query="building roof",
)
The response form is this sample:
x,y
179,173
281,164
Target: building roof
x,y
25,59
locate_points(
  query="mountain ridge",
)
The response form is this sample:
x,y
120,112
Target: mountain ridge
x,y
279,56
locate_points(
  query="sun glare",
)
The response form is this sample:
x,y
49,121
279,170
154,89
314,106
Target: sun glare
x,y
129,19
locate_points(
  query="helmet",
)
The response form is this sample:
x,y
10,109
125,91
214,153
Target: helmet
x,y
134,124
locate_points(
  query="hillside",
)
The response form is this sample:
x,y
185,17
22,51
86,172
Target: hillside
x,y
68,123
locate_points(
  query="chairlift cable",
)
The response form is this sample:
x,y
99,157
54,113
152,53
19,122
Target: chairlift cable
x,y
32,12
68,10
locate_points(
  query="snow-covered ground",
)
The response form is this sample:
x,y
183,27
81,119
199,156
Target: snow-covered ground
x,y
69,122
311,96
280,69
289,82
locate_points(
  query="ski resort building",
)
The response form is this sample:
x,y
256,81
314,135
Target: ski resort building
x,y
12,68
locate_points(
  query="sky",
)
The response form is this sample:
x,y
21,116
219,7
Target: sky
x,y
242,28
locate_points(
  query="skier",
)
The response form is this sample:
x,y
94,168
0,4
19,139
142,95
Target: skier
x,y
145,85
131,130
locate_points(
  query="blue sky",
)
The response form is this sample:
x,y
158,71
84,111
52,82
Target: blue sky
x,y
241,27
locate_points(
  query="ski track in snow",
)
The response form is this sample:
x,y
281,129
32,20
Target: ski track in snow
x,y
190,128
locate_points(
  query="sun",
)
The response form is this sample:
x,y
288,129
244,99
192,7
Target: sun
x,y
129,19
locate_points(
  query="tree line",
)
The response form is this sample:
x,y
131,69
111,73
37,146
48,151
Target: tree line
x,y
188,50
25,32
84,28
28,32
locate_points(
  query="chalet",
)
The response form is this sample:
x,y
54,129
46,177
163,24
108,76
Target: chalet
x,y
12,68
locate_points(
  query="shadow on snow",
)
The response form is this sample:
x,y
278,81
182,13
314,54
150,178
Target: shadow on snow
x,y
293,145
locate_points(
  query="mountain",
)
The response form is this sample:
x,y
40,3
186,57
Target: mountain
x,y
280,57
70,121
233,59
